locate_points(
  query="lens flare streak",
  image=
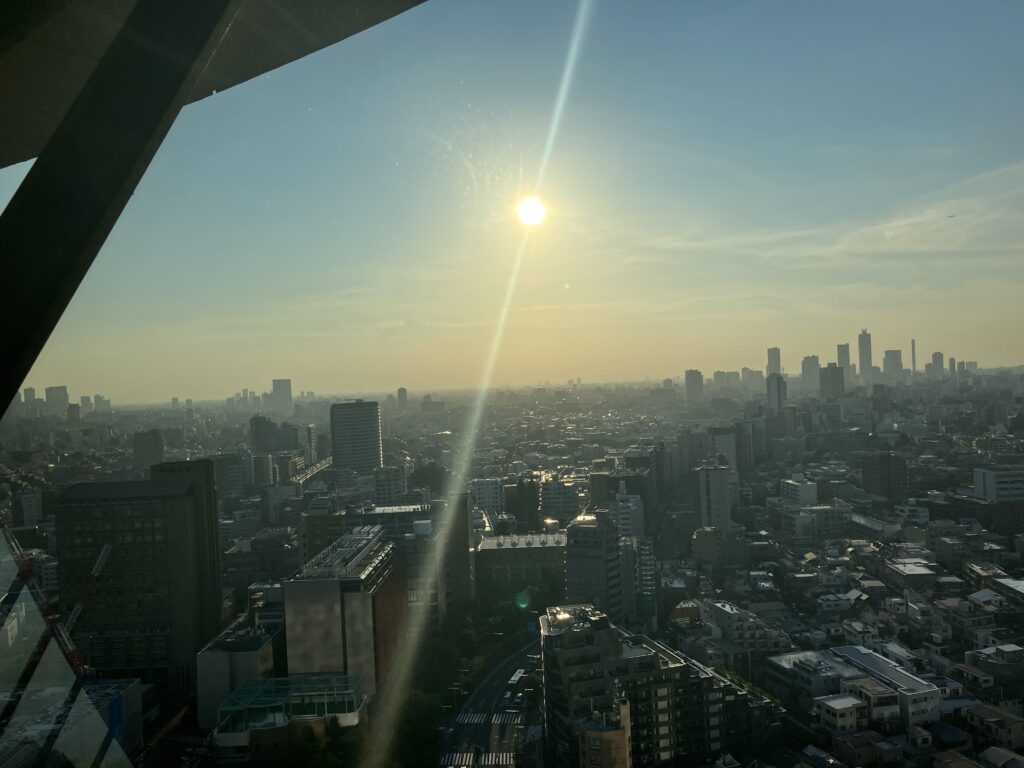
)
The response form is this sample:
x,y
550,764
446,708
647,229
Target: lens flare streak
x,y
400,677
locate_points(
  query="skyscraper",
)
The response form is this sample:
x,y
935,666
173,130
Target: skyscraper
x,y
774,361
832,381
810,368
355,436
263,434
843,357
403,397
864,355
776,392
206,536
694,381
913,355
952,370
281,390
715,508
938,365
892,365
57,400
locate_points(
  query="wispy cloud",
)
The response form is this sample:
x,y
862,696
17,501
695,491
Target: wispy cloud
x,y
978,217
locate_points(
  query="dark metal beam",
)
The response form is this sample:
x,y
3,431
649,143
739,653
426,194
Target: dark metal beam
x,y
63,211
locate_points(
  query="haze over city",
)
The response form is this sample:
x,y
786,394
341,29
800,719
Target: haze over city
x,y
400,383
715,189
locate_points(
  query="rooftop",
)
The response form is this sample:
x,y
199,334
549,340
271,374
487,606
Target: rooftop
x,y
1013,585
239,638
911,569
565,618
820,661
870,686
523,540
266,702
127,489
883,669
354,555
840,701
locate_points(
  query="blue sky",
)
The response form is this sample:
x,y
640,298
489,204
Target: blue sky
x,y
726,177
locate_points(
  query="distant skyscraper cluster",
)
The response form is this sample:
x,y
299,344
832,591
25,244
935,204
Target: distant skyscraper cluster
x,y
57,403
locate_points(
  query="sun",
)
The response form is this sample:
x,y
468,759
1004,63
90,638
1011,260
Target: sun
x,y
531,211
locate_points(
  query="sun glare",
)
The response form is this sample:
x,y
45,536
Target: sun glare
x,y
531,211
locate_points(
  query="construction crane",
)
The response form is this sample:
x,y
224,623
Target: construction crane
x,y
57,630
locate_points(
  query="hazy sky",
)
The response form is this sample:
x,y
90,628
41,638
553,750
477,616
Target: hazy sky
x,y
727,177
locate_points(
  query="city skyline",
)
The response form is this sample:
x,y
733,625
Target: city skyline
x,y
791,371
513,383
692,197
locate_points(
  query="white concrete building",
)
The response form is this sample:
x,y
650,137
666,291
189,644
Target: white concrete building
x,y
999,483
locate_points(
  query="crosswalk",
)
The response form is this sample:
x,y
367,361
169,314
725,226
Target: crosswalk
x,y
479,718
506,718
468,759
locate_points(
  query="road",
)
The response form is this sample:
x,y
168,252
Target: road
x,y
487,730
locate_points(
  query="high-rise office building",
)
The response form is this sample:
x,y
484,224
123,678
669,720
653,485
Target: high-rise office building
x,y
133,577
938,365
147,450
952,370
913,355
403,397
884,473
774,361
229,475
57,401
264,471
203,489
263,434
713,493
810,375
344,610
694,382
355,436
723,446
628,512
843,357
776,386
832,381
864,355
752,379
892,365
85,402
593,566
281,392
